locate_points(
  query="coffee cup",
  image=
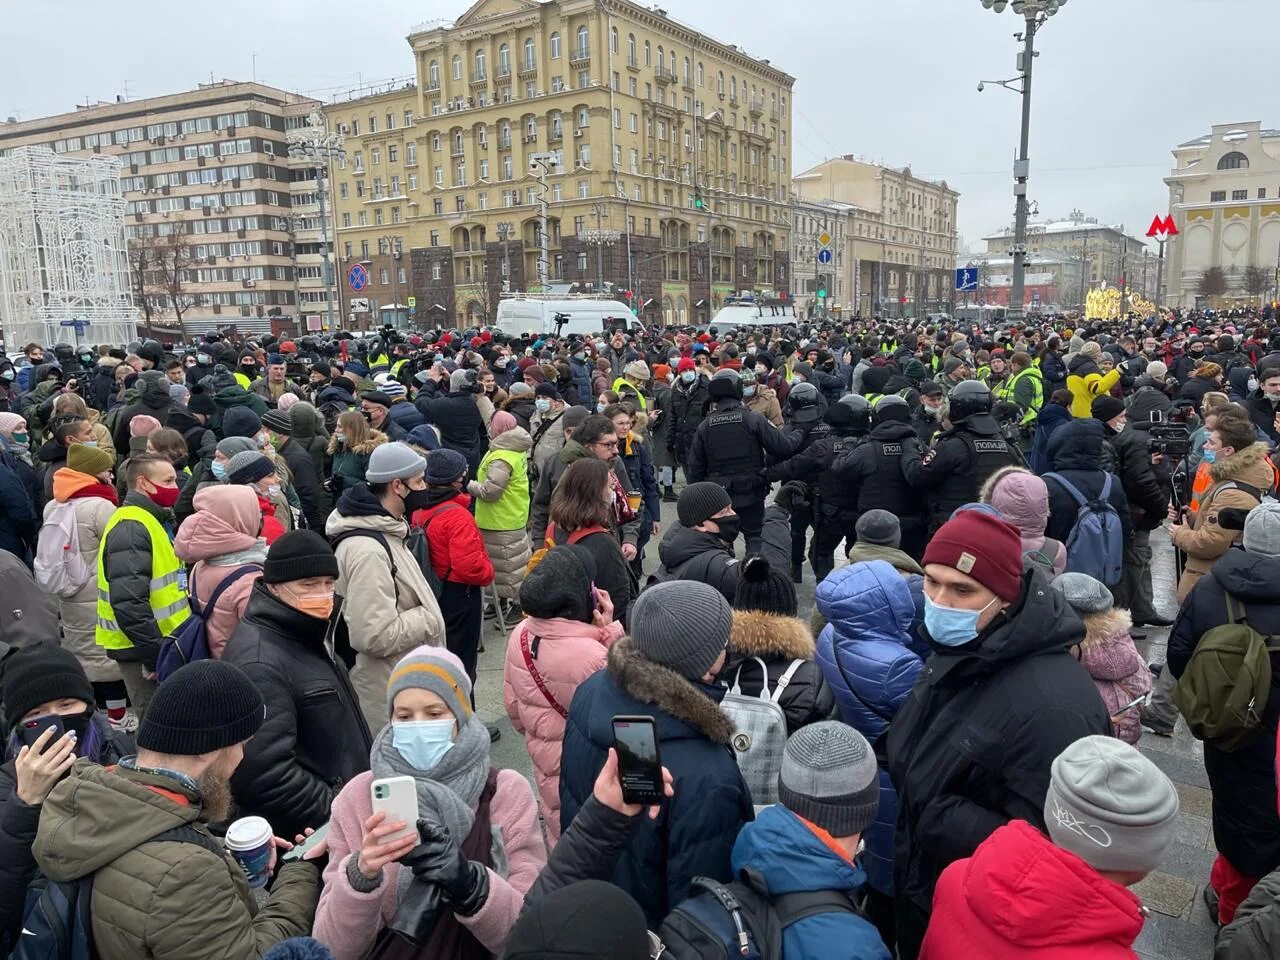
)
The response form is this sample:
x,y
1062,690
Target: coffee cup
x,y
633,501
249,840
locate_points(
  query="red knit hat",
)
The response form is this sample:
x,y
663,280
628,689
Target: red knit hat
x,y
685,363
983,547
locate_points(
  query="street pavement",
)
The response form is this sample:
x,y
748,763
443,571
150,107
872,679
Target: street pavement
x,y
1178,926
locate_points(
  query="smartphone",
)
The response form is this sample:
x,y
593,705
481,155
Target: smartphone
x,y
1130,705
31,729
302,849
397,797
639,766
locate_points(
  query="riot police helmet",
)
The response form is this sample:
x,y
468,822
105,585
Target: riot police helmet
x,y
969,397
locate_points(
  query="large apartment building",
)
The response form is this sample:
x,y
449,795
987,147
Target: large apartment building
x,y
672,177
208,189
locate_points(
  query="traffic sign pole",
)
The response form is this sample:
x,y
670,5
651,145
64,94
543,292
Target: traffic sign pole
x,y
1161,230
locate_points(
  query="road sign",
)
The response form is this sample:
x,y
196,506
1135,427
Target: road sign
x,y
411,301
1035,298
824,239
357,277
967,278
1162,228
824,256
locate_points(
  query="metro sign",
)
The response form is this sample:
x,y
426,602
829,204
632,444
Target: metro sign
x,y
1162,228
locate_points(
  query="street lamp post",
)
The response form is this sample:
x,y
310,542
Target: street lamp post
x,y
393,248
315,145
505,229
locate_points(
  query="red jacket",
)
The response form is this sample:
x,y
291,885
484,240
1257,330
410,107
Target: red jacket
x,y
272,529
457,550
1021,898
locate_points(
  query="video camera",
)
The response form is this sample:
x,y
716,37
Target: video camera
x,y
1172,437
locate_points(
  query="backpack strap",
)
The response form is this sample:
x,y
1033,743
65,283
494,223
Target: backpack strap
x,y
794,907
584,532
188,834
1074,493
785,679
1235,612
227,581
1105,497
372,535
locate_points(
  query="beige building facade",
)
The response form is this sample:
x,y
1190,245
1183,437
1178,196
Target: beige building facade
x,y
671,179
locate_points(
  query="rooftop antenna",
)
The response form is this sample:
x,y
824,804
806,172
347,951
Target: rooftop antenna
x,y
255,66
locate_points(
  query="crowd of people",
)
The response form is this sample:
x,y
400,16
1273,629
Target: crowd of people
x,y
249,580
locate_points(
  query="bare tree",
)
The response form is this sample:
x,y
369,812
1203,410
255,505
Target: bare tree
x,y
1256,281
174,261
148,295
1212,283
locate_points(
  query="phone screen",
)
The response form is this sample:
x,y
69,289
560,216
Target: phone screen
x,y
639,767
31,729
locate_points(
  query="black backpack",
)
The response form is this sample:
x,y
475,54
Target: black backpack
x,y
740,920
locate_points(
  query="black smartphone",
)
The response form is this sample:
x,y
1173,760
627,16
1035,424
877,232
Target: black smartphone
x,y
31,729
639,766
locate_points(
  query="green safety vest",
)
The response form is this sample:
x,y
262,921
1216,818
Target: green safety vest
x,y
167,596
511,510
1006,390
622,383
242,380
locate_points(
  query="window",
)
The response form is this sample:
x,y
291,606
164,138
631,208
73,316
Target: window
x,y
530,60
395,186
647,57
436,270
635,123
408,118
1239,194
617,118
582,261
617,82
410,154
439,173
1262,193
613,39
483,200
584,117
433,76
1217,196
413,182
457,67
393,152
631,49
631,86
635,160
1233,161
504,60
342,190
555,46
435,141
584,189
460,204
479,65
584,42
375,156
584,155
701,77
506,168
484,169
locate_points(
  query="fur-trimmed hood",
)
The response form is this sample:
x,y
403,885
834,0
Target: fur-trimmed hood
x,y
1246,465
767,635
650,682
376,439
1100,627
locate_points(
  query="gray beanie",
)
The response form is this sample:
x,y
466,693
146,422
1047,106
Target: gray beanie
x,y
1083,593
682,624
1110,806
1262,530
230,446
829,776
880,528
394,461
249,467
520,389
701,501
459,380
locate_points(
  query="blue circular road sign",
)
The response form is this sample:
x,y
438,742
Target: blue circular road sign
x,y
357,277
824,257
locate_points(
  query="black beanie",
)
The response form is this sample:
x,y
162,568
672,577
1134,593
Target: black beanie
x,y
205,706
201,401
701,501
559,586
587,920
38,674
297,555
765,590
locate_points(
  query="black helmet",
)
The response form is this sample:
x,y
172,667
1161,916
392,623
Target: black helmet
x,y
860,410
891,407
804,403
968,398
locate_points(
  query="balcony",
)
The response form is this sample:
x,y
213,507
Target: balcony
x,y
530,138
733,100
773,115
633,64
757,107
457,150
580,56
528,68
663,75
432,86
555,136
504,143
503,72
479,78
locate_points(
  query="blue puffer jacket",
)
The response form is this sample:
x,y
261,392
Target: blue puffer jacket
x,y
1050,419
863,655
792,859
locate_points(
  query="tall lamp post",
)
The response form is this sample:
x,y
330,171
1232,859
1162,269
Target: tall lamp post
x,y
315,145
1036,13
505,231
392,243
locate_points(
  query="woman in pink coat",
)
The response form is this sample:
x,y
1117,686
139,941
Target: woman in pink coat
x,y
454,885
565,639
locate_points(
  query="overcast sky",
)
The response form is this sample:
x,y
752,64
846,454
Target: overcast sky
x,y
1118,83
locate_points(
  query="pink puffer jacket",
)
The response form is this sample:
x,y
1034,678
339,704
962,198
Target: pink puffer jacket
x,y
567,652
1119,673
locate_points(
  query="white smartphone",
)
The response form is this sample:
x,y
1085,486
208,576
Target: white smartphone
x,y
397,797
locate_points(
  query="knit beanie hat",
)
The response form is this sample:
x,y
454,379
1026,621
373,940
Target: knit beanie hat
x,y
297,555
1083,593
559,586
548,390
682,624
394,461
37,674
178,392
1106,408
637,370
298,948
1110,805
764,589
587,920
230,446
11,422
278,421
574,417
983,547
444,466
500,423
142,425
435,669
1261,529
701,501
249,467
520,389
202,707
287,400
459,380
879,528
1157,370
240,422
830,778
90,460
1092,349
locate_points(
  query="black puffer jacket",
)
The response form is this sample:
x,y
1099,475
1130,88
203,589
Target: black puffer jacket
x,y
1148,499
970,748
688,554
1246,828
461,427
778,641
687,407
314,738
1075,450
153,400
126,559
305,482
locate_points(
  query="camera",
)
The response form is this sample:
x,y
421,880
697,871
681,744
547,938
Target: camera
x,y
1171,438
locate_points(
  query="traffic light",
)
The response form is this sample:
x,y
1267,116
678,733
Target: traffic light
x,y
695,199
822,286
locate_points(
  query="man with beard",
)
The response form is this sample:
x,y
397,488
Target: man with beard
x,y
163,885
928,416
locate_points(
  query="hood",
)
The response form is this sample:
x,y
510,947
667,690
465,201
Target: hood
x,y
875,379
331,394
682,544
1238,378
686,711
306,422
227,519
892,430
1051,413
359,509
982,425
1100,627
1145,401
51,451
95,816
867,601
1248,465
1017,883
182,420
1041,621
1082,366
1021,497
1250,576
376,439
1077,445
67,483
891,555
516,439
572,451
153,389
790,857
405,414
767,635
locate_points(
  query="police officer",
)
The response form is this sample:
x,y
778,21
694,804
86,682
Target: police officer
x,y
805,427
836,511
953,470
871,474
729,448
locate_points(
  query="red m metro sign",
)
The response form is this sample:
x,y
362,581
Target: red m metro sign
x,y
1162,228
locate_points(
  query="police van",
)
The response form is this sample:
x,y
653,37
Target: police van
x,y
563,315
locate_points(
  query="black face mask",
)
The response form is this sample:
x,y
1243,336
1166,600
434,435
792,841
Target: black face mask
x,y
730,526
79,722
416,500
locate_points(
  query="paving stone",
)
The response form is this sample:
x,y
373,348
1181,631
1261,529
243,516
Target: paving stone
x,y
1181,769
1165,938
1188,862
1192,830
1165,894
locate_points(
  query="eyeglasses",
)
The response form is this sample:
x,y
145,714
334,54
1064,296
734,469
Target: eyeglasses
x,y
607,444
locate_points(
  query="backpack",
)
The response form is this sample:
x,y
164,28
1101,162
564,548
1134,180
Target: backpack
x,y
550,541
60,568
740,920
190,642
760,731
1095,544
1223,691
419,545
56,921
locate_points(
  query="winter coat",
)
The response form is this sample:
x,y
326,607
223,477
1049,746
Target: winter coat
x,y
581,373
461,427
1246,828
777,641
102,387
162,900
1076,454
314,738
349,463
309,432
1050,418
306,482
1127,458
792,858
153,400
1005,903
262,388
694,833
405,415
1121,676
49,459
1054,371
689,554
612,573
546,433
524,409
508,550
765,402
457,550
1023,500
348,921
231,396
1195,389
1203,539
19,522
565,652
1086,382
391,614
79,612
1254,934
1263,412
689,406
634,453
864,656
971,747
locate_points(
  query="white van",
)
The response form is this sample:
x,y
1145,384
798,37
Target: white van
x,y
517,315
750,313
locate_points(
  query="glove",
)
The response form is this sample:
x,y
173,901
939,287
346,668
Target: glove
x,y
438,861
417,912
794,494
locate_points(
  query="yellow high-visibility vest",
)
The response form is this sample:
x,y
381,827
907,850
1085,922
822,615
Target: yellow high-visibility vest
x,y
167,595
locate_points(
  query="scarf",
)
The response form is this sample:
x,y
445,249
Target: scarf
x,y
622,512
103,490
255,554
20,450
448,793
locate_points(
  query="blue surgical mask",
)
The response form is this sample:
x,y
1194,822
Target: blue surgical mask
x,y
749,391
219,470
422,742
950,626
689,376
600,407
21,438
543,404
88,443
1209,456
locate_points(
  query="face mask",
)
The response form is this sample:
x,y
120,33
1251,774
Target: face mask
x,y
277,441
751,350
1119,424
422,742
416,500
1273,394
950,626
795,380
1209,456
688,376
88,443
165,497
9,375
368,417
600,407
219,470
273,491
339,436
203,359
579,356
543,404
748,391
673,361
729,525
318,605
1252,384
501,363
